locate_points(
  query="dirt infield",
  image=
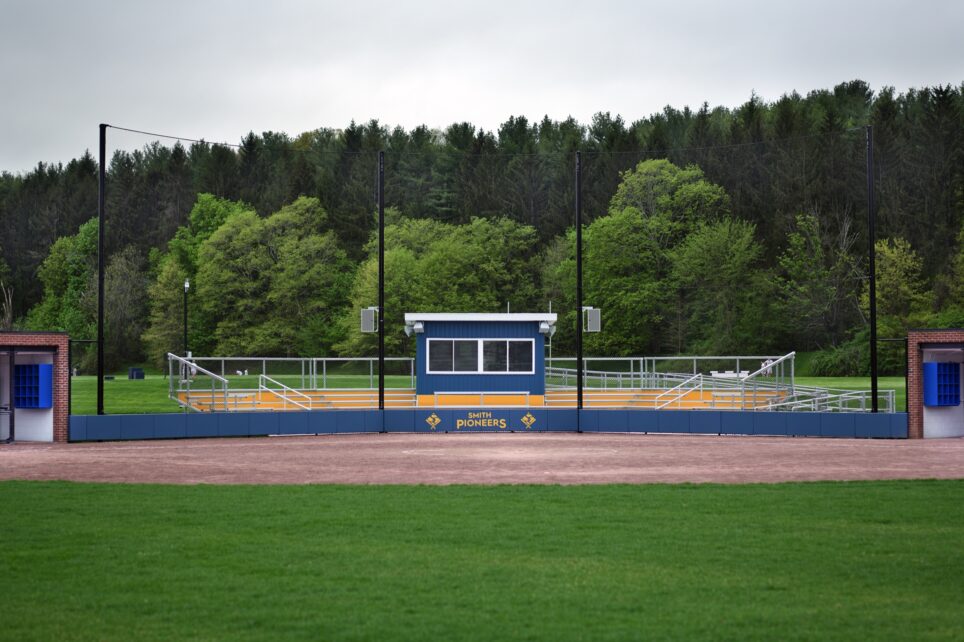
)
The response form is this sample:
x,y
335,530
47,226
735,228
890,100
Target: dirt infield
x,y
485,459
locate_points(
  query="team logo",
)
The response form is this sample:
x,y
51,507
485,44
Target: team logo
x,y
433,421
528,420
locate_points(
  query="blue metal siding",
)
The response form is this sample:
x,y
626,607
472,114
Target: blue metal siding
x,y
427,384
812,424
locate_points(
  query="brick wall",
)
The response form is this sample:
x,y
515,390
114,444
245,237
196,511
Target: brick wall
x,y
915,373
60,343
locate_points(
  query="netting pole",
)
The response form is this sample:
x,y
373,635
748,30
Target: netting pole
x,y
101,188
872,242
381,286
70,376
578,291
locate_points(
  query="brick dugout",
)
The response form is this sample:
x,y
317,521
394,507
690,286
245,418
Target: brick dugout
x,y
917,342
58,345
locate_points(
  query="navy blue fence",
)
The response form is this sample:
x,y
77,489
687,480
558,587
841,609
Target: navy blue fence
x,y
244,424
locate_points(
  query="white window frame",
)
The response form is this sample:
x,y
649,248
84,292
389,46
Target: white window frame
x,y
479,370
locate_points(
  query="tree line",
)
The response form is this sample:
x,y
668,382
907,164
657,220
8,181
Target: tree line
x,y
715,229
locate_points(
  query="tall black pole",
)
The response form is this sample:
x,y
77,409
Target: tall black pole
x,y
102,188
578,290
871,252
381,282
70,376
185,319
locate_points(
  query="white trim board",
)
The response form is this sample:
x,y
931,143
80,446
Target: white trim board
x,y
548,317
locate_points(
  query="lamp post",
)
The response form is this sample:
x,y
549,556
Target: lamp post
x,y
187,286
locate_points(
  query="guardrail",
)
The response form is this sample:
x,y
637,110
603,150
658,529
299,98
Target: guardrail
x,y
644,371
263,381
834,400
683,391
482,395
752,392
766,388
186,372
557,377
311,372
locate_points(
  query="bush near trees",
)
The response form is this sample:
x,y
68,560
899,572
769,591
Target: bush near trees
x,y
483,265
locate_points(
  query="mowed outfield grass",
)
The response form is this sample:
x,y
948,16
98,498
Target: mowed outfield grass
x,y
818,561
123,396
860,383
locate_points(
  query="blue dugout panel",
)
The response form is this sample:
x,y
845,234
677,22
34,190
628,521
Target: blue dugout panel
x,y
942,384
33,385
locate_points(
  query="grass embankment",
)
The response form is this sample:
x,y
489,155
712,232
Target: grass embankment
x,y
848,561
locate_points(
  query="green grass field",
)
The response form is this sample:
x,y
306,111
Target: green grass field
x,y
860,383
123,396
827,561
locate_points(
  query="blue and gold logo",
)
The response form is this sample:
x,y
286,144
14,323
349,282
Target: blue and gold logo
x,y
480,420
528,420
433,421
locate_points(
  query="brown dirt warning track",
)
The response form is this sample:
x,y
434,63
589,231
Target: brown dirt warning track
x,y
485,459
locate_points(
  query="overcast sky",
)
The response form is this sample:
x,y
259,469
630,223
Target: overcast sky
x,y
220,69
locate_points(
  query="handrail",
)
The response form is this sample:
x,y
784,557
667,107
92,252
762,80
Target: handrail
x,y
195,367
678,357
262,386
769,366
482,394
343,359
678,397
833,400
187,370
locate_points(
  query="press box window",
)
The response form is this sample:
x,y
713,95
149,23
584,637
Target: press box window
x,y
507,356
480,356
453,356
520,356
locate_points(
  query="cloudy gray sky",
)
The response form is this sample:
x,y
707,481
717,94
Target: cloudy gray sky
x,y
219,69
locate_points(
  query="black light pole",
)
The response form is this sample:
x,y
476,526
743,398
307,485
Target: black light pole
x,y
102,186
187,286
578,291
872,241
381,284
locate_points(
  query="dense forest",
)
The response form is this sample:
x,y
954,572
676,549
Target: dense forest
x,y
717,230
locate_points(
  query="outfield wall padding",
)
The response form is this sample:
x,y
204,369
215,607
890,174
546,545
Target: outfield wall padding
x,y
319,422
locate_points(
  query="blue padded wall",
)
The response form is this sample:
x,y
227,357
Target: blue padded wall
x,y
454,420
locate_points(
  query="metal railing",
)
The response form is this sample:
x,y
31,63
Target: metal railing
x,y
311,373
681,391
656,372
833,400
362,398
638,382
183,383
482,395
263,382
759,390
